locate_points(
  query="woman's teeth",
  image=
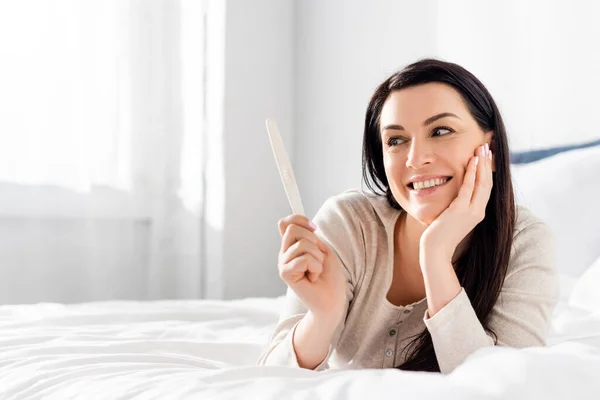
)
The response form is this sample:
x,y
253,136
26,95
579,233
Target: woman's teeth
x,y
429,183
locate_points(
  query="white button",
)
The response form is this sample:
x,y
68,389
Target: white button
x,y
388,353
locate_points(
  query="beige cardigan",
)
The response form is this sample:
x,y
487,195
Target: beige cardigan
x,y
359,227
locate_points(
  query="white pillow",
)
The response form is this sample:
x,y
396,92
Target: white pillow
x,y
564,191
586,293
566,285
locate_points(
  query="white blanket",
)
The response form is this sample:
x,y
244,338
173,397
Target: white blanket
x,y
208,350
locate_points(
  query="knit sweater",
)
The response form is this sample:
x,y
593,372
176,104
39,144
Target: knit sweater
x,y
359,228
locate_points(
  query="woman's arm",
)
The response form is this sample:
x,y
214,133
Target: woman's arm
x,y
311,339
522,314
441,282
300,338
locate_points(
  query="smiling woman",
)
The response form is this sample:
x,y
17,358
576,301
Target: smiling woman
x,y
430,144
436,262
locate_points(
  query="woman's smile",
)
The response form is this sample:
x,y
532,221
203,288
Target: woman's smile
x,y
424,188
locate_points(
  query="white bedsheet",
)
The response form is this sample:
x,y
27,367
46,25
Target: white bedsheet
x,y
208,350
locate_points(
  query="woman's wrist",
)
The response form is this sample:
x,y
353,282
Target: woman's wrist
x,y
312,338
430,253
326,323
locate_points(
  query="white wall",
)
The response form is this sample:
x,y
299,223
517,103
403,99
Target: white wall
x,y
538,58
259,80
344,50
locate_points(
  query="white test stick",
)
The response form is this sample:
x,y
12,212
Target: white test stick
x,y
285,168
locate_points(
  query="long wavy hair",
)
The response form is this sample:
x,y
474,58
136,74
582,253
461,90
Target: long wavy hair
x,y
481,269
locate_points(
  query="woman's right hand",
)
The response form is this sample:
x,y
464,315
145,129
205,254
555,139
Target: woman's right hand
x,y
310,268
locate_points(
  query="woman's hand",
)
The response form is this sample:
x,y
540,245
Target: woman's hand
x,y
445,233
310,268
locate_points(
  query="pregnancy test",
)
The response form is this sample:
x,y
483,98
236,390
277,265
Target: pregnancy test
x,y
285,168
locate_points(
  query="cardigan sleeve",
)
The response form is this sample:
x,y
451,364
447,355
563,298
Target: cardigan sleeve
x,y
339,228
520,317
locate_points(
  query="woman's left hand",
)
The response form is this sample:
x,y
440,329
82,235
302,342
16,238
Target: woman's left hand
x,y
445,233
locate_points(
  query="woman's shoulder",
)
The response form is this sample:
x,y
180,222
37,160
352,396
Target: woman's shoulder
x,y
361,205
533,249
527,224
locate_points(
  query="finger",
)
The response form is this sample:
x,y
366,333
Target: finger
x,y
294,233
483,185
480,175
489,168
315,268
302,246
294,270
466,189
298,268
488,164
296,219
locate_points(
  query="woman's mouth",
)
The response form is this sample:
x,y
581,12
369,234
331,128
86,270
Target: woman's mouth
x,y
428,186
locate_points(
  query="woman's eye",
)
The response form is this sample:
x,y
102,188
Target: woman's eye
x,y
441,131
395,141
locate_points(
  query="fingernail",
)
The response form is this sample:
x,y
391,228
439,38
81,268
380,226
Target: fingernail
x,y
490,154
312,225
476,161
487,148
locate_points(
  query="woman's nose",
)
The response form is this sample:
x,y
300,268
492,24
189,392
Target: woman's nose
x,y
419,154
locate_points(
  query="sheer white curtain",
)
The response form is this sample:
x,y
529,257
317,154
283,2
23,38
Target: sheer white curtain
x,y
101,149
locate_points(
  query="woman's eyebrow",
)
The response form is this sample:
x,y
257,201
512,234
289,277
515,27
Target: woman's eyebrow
x,y
393,127
428,121
431,120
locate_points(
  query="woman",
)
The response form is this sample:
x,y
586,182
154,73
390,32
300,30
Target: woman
x,y
437,262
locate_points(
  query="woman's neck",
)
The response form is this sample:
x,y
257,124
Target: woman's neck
x,y
407,236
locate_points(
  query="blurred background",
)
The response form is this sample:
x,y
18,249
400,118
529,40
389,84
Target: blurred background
x,y
134,159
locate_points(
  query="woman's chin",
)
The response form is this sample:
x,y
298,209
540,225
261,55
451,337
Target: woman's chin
x,y
426,215
425,220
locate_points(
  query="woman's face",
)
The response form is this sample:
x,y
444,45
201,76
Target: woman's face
x,y
428,137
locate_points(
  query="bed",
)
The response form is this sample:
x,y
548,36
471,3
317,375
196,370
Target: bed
x,y
207,349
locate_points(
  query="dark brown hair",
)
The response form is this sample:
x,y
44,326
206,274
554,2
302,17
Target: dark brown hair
x,y
482,268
